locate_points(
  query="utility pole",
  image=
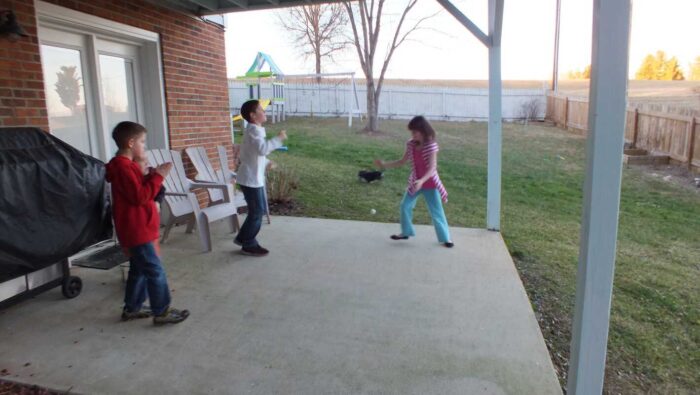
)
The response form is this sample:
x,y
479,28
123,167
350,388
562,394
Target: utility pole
x,y
555,69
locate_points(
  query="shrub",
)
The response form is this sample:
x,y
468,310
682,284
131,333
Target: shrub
x,y
281,183
530,110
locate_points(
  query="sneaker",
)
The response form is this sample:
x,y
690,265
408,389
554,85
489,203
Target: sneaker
x,y
449,244
399,237
171,316
237,242
254,251
135,315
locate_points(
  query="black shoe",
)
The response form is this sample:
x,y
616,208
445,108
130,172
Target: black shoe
x,y
254,251
171,316
237,242
399,237
449,244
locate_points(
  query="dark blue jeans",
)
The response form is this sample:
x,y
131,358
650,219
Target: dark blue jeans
x,y
146,280
255,199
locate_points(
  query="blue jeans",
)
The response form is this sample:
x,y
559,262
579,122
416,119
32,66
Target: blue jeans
x,y
255,199
432,198
146,280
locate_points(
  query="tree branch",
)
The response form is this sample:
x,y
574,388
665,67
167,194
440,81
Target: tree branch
x,y
351,16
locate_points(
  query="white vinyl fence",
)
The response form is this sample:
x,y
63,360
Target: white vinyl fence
x,y
397,102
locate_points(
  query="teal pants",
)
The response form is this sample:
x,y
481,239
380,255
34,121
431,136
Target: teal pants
x,y
432,198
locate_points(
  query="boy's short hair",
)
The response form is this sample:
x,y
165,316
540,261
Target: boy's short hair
x,y
125,131
249,107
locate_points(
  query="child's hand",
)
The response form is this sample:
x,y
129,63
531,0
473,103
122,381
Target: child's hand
x,y
418,184
283,135
164,169
379,163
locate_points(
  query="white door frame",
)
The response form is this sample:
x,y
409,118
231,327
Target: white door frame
x,y
79,42
150,86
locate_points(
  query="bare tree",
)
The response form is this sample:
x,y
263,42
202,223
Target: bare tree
x,y
318,30
366,23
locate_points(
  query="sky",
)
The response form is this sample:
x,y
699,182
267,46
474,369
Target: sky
x,y
446,50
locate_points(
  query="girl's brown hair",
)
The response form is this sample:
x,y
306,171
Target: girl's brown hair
x,y
420,124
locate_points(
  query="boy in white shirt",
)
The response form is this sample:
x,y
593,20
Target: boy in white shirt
x,y
251,174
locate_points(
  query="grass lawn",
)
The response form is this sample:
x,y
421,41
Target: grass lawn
x,y
655,324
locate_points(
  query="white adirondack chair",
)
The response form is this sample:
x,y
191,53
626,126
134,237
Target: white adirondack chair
x,y
206,172
183,204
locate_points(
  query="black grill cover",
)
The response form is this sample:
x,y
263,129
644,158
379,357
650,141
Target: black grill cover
x,y
53,200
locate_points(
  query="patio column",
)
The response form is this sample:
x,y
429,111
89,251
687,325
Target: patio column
x,y
606,117
495,140
493,42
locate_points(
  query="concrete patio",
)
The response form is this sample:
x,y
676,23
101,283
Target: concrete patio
x,y
337,307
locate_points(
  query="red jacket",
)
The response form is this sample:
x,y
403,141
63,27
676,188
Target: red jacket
x,y
135,215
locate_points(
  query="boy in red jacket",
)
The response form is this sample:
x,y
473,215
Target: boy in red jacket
x,y
137,221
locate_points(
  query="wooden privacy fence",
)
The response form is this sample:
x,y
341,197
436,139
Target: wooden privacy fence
x,y
677,136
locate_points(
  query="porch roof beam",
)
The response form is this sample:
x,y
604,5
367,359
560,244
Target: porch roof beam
x,y
209,5
464,20
226,6
495,21
241,3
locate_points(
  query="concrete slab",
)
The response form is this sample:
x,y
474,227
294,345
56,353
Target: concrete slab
x,y
336,308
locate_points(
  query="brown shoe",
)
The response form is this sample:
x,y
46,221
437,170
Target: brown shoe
x,y
254,251
171,316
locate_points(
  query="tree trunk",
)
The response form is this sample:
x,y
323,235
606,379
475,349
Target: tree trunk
x,y
318,66
372,107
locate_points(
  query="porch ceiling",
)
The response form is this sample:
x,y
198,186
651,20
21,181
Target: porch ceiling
x,y
211,7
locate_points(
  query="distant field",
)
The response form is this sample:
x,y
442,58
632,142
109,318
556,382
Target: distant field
x,y
677,94
572,87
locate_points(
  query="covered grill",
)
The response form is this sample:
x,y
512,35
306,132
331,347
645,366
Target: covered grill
x,y
53,204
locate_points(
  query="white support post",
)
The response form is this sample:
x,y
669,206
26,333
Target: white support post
x,y
348,102
493,193
606,118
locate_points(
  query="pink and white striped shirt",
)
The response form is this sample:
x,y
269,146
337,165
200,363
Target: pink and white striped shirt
x,y
420,158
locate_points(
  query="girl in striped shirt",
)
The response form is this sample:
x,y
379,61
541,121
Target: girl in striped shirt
x,y
424,180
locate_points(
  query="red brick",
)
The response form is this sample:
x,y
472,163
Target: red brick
x,y
15,122
26,112
34,84
26,93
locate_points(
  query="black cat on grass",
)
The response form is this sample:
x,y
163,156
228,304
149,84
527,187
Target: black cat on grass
x,y
369,175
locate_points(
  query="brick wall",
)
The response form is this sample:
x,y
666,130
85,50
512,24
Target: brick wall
x,y
194,68
22,100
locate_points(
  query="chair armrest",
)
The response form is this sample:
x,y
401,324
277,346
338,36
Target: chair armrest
x,y
206,184
179,194
201,181
227,175
226,188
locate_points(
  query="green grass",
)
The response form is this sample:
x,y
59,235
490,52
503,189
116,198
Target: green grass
x,y
654,334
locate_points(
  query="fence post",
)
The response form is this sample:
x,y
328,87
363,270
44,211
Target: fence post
x,y
566,112
691,143
391,107
444,110
635,130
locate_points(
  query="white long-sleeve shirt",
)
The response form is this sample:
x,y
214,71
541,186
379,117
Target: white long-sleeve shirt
x,y
254,151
